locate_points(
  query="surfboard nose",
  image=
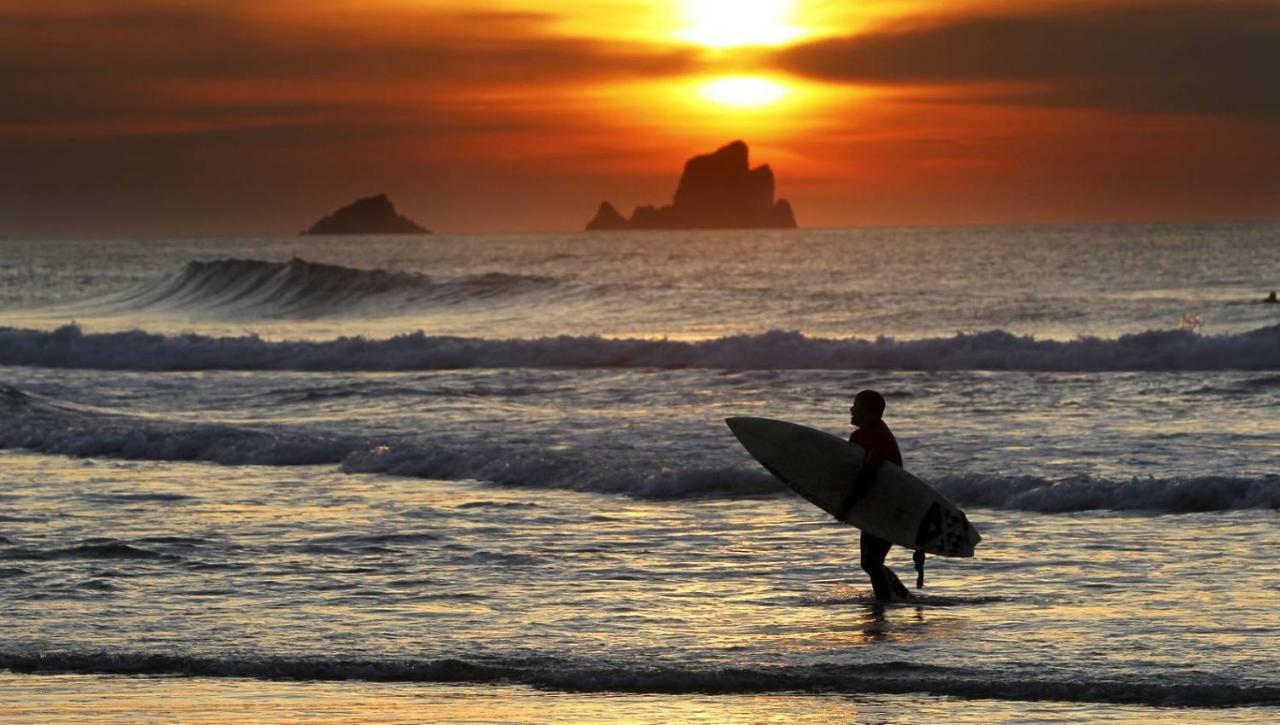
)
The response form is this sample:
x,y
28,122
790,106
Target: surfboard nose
x,y
746,428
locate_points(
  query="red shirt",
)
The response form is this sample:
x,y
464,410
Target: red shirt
x,y
877,438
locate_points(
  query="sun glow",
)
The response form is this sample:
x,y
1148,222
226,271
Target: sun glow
x,y
743,91
728,23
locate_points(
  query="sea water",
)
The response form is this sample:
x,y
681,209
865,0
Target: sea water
x,y
487,478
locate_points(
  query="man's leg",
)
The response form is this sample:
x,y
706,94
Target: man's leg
x,y
900,590
873,551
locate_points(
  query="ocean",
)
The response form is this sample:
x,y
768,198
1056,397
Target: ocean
x,y
487,478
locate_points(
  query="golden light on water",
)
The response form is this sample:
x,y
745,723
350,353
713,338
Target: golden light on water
x,y
743,91
729,23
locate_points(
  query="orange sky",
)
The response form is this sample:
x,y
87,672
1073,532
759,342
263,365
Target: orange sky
x,y
141,117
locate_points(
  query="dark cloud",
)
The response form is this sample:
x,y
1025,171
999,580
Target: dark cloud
x,y
1216,58
139,60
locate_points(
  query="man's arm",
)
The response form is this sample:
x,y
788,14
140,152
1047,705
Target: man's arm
x,y
859,483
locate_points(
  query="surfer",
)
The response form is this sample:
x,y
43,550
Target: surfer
x,y
873,434
1271,298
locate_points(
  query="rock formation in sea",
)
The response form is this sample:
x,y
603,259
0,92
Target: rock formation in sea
x,y
607,218
371,215
716,191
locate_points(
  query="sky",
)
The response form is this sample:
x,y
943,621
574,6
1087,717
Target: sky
x,y
238,117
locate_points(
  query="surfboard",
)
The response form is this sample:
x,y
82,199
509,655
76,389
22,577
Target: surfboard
x,y
896,506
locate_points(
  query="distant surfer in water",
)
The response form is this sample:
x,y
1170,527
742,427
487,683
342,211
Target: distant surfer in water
x,y
1271,299
867,416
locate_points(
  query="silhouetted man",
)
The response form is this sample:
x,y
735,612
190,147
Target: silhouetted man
x,y
867,415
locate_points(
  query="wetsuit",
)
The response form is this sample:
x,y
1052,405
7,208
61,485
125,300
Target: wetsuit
x,y
877,438
881,446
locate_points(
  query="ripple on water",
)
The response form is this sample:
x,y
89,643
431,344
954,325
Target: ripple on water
x,y
197,565
415,537
863,598
498,504
126,498
497,557
184,541
101,550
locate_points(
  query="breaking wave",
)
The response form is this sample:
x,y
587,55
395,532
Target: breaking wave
x,y
551,673
70,347
1161,495
247,288
44,425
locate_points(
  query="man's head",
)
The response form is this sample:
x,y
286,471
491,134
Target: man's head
x,y
868,407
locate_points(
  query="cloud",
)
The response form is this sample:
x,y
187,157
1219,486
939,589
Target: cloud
x,y
141,64
181,116
1176,57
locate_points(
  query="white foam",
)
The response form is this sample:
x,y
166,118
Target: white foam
x,y
49,426
1159,495
70,347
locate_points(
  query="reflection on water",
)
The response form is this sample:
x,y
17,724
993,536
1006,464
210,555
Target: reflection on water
x,y
77,698
229,565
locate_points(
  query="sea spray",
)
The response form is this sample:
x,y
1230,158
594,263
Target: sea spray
x,y
70,347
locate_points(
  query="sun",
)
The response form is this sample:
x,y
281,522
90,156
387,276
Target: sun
x,y
743,91
729,23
